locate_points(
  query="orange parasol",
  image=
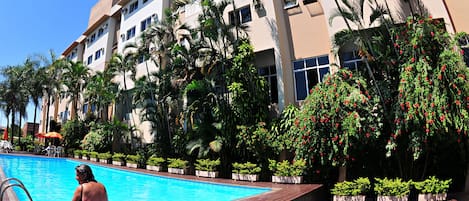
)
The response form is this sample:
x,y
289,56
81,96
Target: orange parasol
x,y
53,135
5,134
40,135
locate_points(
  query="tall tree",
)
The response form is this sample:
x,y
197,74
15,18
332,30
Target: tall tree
x,y
101,91
74,78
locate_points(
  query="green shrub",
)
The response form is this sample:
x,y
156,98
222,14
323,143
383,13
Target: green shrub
x,y
177,163
246,168
118,157
359,186
286,168
77,152
432,185
207,164
105,156
132,158
85,153
155,161
392,187
93,154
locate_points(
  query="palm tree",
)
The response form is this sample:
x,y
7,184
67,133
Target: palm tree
x,y
101,91
37,80
5,104
74,77
14,91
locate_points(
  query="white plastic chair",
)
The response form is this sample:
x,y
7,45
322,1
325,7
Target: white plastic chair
x,y
58,151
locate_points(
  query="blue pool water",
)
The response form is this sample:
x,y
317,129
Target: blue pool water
x,y
54,179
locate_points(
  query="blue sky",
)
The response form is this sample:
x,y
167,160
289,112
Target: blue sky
x,y
31,27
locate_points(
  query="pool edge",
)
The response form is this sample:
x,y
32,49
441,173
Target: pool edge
x,y
9,193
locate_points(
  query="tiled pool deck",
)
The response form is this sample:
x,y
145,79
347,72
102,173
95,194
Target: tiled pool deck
x,y
280,192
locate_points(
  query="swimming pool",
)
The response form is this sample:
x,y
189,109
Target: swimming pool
x,y
54,179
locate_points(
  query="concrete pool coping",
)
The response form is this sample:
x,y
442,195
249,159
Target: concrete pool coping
x,y
297,192
9,194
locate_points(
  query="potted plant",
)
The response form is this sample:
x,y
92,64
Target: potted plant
x,y
105,157
93,156
177,166
392,189
245,171
286,172
77,153
132,160
85,155
155,163
351,190
206,168
432,189
118,159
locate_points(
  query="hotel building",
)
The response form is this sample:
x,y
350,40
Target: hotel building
x,y
292,40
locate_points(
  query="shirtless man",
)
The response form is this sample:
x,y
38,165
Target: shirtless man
x,y
89,189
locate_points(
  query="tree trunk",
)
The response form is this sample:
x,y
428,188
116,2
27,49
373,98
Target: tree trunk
x,y
19,130
12,125
342,173
74,109
34,121
47,117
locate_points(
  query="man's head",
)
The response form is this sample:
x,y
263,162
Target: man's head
x,y
84,174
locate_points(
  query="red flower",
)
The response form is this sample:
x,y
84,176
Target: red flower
x,y
443,68
412,59
442,117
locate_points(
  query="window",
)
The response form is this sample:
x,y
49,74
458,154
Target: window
x,y
85,107
270,75
309,1
141,59
242,15
92,38
145,24
64,115
466,55
308,73
130,33
98,54
74,54
90,59
290,3
133,6
464,43
351,60
100,32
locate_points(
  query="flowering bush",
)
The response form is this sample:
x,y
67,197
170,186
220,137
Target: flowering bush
x,y
433,90
337,116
